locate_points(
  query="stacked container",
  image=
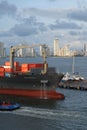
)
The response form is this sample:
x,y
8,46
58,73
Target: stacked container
x,y
24,68
2,71
9,69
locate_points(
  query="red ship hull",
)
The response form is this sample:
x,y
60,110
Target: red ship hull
x,y
39,94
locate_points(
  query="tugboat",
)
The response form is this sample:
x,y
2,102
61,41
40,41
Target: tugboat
x,y
29,80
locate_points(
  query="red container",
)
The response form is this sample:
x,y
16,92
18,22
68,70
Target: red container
x,y
36,65
32,65
2,74
39,65
2,69
18,68
16,64
9,70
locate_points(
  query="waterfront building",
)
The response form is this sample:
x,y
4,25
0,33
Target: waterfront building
x,y
19,53
41,50
65,51
4,52
33,53
85,50
56,47
1,49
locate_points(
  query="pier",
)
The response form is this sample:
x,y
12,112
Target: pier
x,y
73,84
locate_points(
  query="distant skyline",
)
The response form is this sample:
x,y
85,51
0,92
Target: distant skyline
x,y
41,21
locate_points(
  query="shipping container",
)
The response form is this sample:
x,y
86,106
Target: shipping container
x,y
35,65
25,68
2,74
10,70
2,71
7,63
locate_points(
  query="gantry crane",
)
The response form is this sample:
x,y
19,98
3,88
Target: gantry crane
x,y
13,49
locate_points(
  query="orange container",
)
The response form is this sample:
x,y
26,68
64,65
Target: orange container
x,y
24,69
25,65
7,63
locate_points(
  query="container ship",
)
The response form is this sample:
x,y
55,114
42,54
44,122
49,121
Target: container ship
x,y
28,80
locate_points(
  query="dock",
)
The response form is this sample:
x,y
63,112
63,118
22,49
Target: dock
x,y
73,84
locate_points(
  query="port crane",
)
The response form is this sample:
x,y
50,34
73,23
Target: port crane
x,y
13,49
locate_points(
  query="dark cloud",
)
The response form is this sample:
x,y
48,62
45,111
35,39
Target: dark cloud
x,y
64,25
7,9
80,15
73,33
28,26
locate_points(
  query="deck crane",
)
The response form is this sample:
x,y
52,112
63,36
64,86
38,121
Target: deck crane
x,y
13,49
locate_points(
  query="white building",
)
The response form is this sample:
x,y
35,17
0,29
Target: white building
x,y
41,50
66,51
56,47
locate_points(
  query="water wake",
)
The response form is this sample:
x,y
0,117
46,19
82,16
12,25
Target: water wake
x,y
48,113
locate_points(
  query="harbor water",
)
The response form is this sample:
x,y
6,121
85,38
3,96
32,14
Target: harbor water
x,y
67,114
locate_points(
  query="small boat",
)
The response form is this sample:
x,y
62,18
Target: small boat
x,y
7,106
74,77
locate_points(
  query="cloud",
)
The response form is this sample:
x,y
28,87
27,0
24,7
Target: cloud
x,y
7,9
28,26
52,0
5,34
41,24
80,15
52,14
64,25
44,13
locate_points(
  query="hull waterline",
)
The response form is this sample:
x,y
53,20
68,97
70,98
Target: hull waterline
x,y
38,94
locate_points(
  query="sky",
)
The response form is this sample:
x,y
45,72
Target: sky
x,y
41,21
